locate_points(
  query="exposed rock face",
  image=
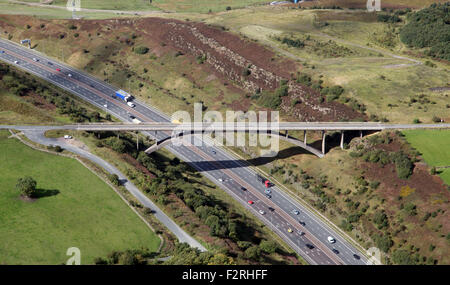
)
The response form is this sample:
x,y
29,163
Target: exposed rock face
x,y
252,75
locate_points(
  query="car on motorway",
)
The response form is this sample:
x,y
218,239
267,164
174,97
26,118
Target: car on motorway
x,y
269,196
302,223
261,212
132,117
35,59
58,69
335,251
243,188
300,232
70,75
250,202
331,239
131,104
310,246
267,191
289,230
67,137
356,256
49,63
213,151
16,62
296,212
2,51
271,209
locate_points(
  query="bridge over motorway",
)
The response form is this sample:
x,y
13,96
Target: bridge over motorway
x,y
270,128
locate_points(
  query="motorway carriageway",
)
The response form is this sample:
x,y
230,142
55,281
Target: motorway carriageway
x,y
213,162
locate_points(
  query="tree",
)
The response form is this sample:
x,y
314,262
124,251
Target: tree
x,y
26,186
268,246
253,252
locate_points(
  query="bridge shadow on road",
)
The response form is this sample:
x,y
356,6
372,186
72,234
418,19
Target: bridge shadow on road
x,y
332,141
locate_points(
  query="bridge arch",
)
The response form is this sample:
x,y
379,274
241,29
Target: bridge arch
x,y
168,140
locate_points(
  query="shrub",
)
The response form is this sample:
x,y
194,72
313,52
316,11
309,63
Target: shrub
x,y
268,246
141,50
114,179
26,186
383,242
436,119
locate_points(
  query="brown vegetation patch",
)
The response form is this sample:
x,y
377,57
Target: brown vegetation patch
x,y
131,160
39,101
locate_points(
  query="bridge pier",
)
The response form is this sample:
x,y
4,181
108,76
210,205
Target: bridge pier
x,y
137,141
342,139
304,136
324,135
360,134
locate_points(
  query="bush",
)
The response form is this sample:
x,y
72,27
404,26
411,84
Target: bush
x,y
436,119
403,164
383,242
114,179
253,253
411,209
141,50
268,246
386,18
26,186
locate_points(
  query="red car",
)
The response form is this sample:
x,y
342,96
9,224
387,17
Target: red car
x,y
267,183
250,202
58,69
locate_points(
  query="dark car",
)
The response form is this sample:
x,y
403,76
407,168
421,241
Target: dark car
x,y
335,251
302,223
132,117
271,209
356,256
243,189
49,63
310,246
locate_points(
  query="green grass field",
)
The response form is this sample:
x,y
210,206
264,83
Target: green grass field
x,y
434,146
86,213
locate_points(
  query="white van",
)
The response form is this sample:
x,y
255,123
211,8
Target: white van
x,y
131,104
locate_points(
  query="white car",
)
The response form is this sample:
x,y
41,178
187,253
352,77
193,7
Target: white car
x,y
220,180
16,62
35,59
331,239
131,104
70,75
262,212
67,137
